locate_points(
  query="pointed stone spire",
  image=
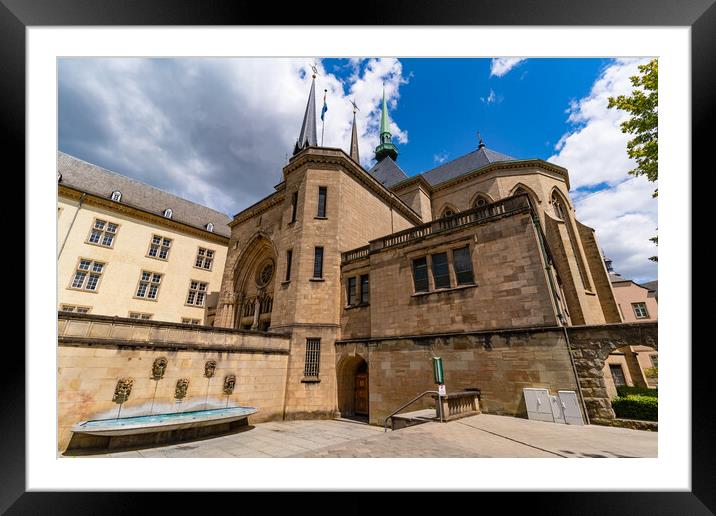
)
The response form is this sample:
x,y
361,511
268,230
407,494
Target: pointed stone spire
x,y
354,137
386,147
308,138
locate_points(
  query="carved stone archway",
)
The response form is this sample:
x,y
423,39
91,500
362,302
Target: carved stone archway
x,y
253,279
591,345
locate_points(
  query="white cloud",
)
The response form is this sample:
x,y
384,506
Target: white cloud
x,y
491,98
440,157
625,218
216,131
501,65
594,152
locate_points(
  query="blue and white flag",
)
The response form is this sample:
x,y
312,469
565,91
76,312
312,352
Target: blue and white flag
x,y
325,106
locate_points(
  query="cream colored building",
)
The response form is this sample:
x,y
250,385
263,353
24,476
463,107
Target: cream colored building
x,y
127,249
633,366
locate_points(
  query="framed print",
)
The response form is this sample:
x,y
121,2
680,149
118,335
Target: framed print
x,y
428,232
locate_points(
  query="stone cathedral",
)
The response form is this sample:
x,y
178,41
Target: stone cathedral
x,y
358,265
342,285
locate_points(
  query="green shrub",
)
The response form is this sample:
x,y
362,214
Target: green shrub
x,y
624,391
633,406
651,372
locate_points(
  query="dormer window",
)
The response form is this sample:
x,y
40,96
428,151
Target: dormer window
x,y
210,227
59,176
168,213
117,196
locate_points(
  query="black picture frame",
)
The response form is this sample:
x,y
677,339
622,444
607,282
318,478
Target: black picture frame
x,y
17,15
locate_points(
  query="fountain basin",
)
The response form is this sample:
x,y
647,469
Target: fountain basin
x,y
162,422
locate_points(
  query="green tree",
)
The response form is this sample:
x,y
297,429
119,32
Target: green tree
x,y
643,122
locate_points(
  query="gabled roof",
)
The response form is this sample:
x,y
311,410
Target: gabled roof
x,y
388,172
653,286
101,182
464,164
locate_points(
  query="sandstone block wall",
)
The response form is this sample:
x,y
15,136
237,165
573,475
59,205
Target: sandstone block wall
x,y
500,364
510,288
94,353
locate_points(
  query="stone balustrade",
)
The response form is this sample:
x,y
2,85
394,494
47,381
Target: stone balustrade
x,y
456,405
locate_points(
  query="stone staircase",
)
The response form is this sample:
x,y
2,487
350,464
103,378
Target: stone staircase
x,y
417,417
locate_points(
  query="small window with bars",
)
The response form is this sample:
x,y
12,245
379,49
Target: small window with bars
x,y
318,263
204,259
140,315
289,259
197,293
149,283
313,358
87,275
103,233
322,193
159,247
294,205
75,309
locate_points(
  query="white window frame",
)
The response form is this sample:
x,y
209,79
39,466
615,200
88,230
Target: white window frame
x,y
101,228
81,276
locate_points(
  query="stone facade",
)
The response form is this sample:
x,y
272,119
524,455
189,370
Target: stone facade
x,y
285,328
95,352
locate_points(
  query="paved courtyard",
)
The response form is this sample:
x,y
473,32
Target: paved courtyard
x,y
477,436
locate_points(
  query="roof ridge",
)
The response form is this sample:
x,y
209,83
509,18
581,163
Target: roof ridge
x,y
142,183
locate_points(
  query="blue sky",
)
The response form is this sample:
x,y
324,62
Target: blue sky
x,y
441,106
218,131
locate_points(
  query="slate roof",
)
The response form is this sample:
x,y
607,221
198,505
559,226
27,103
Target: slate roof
x,y
98,181
464,164
652,285
388,172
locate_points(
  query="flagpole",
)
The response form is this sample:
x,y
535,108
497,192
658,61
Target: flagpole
x,y
323,116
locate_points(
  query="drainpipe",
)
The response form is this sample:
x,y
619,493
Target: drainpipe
x,y
79,206
547,266
560,316
576,377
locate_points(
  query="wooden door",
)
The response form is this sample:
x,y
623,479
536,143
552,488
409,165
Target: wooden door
x,y
361,394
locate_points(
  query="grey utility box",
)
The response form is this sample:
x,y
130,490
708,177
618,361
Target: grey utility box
x,y
557,409
570,407
538,405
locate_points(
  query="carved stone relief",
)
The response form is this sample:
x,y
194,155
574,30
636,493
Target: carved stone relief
x,y
181,388
158,368
229,384
210,368
122,390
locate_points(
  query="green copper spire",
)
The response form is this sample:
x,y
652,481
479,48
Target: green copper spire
x,y
386,147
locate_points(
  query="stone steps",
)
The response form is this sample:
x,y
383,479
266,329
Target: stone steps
x,y
417,417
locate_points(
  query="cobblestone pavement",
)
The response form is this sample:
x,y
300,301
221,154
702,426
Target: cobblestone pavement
x,y
477,436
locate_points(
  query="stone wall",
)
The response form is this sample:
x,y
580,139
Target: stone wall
x,y
510,288
95,352
591,345
500,364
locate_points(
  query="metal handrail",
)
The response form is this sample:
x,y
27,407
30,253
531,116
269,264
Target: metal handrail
x,y
438,410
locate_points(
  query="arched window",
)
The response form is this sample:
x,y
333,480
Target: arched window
x,y
447,212
210,227
480,202
558,207
117,196
168,213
